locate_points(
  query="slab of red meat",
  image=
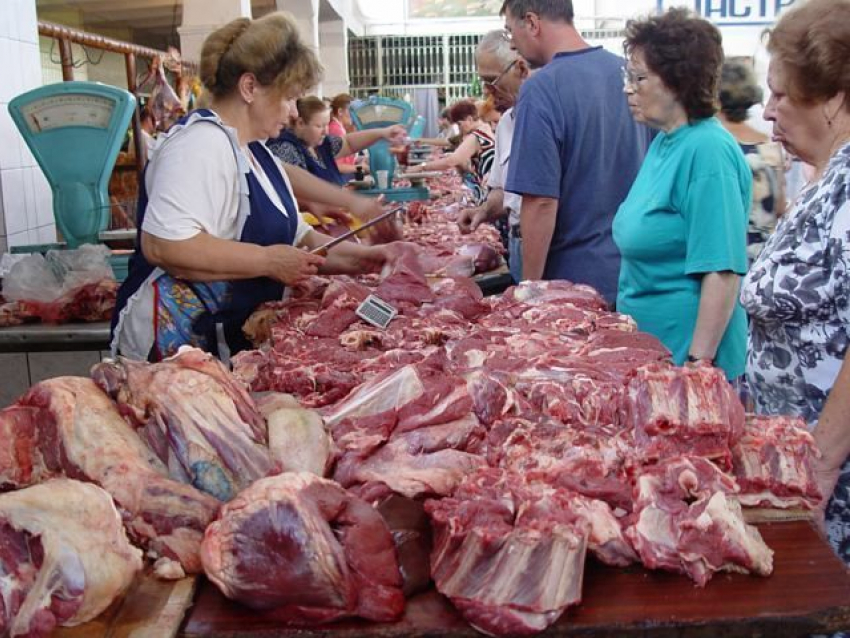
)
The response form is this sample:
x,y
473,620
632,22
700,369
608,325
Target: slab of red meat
x,y
20,458
509,556
303,550
64,556
461,295
484,256
557,291
404,282
411,397
339,303
428,461
90,302
493,396
555,317
574,391
81,435
688,520
411,530
773,463
195,416
676,411
318,371
594,464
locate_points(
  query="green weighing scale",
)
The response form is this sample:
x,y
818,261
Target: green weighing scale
x,y
75,131
379,112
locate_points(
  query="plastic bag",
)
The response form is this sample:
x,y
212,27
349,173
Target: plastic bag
x,y
48,278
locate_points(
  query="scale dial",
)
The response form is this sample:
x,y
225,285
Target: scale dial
x,y
70,109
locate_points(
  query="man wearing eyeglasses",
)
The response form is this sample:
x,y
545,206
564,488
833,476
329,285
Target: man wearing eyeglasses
x,y
576,148
502,72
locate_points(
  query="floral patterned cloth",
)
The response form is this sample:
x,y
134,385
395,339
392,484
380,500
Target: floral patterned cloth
x,y
797,294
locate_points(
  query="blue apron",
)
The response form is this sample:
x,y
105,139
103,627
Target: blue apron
x,y
329,172
210,315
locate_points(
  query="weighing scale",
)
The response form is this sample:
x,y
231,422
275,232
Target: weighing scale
x,y
379,112
75,131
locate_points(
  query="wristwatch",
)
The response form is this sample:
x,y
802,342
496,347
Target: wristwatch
x,y
693,359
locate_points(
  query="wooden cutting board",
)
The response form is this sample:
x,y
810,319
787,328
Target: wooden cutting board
x,y
151,608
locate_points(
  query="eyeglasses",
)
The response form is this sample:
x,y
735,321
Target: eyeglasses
x,y
633,79
493,84
506,31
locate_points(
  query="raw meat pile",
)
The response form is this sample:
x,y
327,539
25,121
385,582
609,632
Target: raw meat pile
x,y
538,420
444,251
487,445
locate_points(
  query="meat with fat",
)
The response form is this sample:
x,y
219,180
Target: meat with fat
x,y
510,556
64,556
200,421
80,434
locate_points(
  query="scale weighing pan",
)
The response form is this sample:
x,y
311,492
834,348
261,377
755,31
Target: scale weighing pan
x,y
75,131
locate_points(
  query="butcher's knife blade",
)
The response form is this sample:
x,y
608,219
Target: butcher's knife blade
x,y
337,240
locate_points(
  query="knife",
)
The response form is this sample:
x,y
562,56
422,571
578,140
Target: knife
x,y
324,248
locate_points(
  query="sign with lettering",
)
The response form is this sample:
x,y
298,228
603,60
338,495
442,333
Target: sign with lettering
x,y
734,12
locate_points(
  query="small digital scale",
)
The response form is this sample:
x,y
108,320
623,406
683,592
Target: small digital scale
x,y
379,112
75,131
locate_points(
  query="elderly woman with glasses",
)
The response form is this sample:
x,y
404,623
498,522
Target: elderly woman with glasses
x,y
475,154
797,292
682,228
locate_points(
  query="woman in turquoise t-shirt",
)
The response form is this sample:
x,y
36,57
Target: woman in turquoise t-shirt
x,y
683,226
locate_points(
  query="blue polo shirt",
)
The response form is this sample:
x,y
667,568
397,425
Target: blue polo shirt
x,y
685,216
576,141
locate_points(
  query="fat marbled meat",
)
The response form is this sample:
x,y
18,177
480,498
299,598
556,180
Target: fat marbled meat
x,y
64,556
68,427
200,422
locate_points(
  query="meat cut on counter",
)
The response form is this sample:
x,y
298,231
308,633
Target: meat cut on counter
x,y
64,556
67,427
304,550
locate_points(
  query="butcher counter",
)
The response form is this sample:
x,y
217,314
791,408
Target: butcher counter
x,y
809,592
33,352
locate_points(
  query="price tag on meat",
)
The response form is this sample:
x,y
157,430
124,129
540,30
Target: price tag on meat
x,y
376,311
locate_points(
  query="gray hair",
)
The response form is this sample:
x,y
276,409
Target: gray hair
x,y
556,10
496,44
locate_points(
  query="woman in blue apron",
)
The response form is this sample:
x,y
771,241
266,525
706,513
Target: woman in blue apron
x,y
219,229
307,144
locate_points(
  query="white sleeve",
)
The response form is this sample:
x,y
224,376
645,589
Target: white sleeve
x,y
193,185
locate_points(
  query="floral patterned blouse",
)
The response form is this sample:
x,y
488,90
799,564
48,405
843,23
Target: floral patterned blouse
x,y
797,294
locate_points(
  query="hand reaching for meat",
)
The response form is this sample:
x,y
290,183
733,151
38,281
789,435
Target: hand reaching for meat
x,y
471,218
290,265
390,230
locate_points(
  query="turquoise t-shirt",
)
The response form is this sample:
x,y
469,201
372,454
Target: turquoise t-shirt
x,y
686,215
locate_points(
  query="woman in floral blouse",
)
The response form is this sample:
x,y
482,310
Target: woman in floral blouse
x,y
797,292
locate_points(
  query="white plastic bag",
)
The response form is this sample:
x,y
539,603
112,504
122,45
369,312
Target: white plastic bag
x,y
47,278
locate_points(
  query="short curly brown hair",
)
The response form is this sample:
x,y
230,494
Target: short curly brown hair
x,y
812,45
686,52
462,110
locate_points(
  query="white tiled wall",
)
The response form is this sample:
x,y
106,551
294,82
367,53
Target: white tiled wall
x,y
26,204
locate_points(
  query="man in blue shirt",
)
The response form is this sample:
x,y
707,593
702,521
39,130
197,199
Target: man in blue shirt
x,y
576,148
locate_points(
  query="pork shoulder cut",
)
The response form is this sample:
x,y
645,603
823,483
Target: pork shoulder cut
x,y
64,556
77,432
